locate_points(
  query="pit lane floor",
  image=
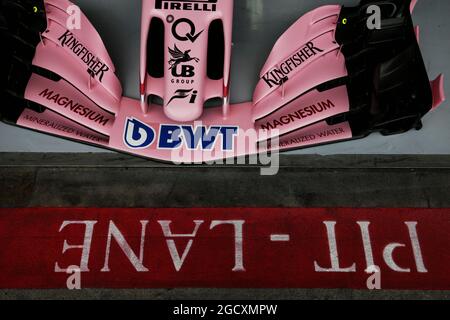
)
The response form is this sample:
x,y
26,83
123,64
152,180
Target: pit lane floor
x,y
99,180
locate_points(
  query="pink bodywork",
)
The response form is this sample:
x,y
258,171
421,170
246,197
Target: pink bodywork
x,y
64,99
72,53
317,27
191,27
309,48
310,108
83,108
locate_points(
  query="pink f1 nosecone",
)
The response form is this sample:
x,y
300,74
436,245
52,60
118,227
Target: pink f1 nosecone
x,y
185,54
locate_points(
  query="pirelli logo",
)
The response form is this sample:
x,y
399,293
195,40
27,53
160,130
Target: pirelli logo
x,y
184,5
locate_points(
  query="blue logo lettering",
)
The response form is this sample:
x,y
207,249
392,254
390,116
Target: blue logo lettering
x,y
138,135
198,138
169,137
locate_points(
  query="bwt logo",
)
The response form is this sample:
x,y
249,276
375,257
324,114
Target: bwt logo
x,y
139,135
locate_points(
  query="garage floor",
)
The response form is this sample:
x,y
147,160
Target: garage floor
x,y
110,180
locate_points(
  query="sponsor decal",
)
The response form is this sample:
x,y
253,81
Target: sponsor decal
x,y
182,81
96,68
64,129
179,56
139,135
191,36
278,76
197,138
225,247
185,5
67,103
183,94
310,138
299,115
178,61
183,72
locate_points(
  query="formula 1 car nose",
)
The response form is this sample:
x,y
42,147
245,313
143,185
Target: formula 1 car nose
x,y
329,78
185,54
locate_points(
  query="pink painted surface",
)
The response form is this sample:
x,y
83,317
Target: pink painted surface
x,y
63,98
50,56
87,34
331,66
240,116
412,6
320,133
79,56
52,123
308,109
290,104
318,28
192,30
59,35
437,87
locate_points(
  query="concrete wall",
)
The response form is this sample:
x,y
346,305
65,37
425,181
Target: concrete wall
x,y
258,23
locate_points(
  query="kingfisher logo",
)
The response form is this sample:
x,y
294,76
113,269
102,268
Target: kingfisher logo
x,y
96,67
187,5
139,135
279,75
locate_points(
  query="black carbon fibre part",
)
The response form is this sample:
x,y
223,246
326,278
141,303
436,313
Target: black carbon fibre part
x,y
21,22
388,84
